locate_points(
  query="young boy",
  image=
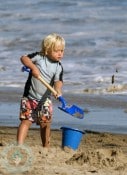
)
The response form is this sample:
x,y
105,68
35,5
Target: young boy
x,y
36,104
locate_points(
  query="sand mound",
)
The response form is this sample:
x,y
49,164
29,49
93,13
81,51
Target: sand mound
x,y
100,158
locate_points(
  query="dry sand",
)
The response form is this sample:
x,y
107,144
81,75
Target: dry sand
x,y
98,154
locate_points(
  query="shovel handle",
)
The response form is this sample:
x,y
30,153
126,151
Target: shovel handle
x,y
60,98
47,85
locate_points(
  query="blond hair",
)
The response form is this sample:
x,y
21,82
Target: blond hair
x,y
51,42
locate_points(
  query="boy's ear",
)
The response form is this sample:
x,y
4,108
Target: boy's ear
x,y
46,52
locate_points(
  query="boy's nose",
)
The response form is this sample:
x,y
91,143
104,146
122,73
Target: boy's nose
x,y
60,53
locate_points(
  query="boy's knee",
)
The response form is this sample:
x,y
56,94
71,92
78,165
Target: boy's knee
x,y
45,125
27,123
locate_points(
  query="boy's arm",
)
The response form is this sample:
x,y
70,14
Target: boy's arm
x,y
58,87
28,62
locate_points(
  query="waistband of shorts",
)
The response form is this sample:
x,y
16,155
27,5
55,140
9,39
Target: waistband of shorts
x,y
29,98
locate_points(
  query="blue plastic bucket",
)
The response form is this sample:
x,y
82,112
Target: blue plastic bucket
x,y
71,137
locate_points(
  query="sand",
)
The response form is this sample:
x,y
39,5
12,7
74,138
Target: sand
x,y
98,154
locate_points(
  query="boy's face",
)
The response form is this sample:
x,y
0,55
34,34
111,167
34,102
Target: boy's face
x,y
56,54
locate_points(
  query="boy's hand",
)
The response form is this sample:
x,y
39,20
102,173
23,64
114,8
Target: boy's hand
x,y
28,64
35,71
58,94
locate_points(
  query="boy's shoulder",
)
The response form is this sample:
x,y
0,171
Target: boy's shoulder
x,y
31,55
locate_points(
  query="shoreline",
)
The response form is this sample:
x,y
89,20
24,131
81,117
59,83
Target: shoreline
x,y
103,113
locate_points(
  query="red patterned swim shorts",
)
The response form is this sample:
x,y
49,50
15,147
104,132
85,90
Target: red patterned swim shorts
x,y
36,111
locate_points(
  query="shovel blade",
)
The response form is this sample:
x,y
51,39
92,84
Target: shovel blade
x,y
74,110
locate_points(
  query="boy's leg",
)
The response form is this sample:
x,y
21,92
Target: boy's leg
x,y
23,130
45,132
45,119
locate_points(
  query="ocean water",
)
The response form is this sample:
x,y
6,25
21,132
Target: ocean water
x,y
96,39
98,119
